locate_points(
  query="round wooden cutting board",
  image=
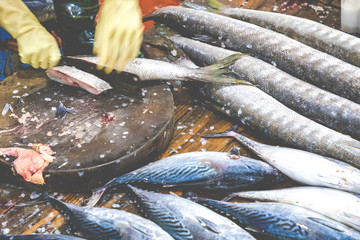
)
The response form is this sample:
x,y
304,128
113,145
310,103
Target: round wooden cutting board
x,y
91,146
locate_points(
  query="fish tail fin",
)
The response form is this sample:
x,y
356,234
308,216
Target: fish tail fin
x,y
229,197
226,134
96,196
220,72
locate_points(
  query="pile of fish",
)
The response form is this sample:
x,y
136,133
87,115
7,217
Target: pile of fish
x,y
313,120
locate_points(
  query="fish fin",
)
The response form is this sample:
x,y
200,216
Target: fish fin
x,y
228,133
205,223
96,196
229,197
160,214
220,72
234,153
326,223
251,229
42,198
62,111
212,5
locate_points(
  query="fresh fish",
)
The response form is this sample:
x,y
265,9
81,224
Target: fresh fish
x,y
281,221
329,109
338,205
289,55
105,223
6,108
314,34
149,69
184,219
62,111
77,78
39,237
302,166
199,170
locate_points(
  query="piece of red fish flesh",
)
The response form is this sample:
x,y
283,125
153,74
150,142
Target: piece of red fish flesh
x,y
30,163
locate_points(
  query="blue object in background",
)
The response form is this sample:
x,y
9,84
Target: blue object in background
x,y
4,56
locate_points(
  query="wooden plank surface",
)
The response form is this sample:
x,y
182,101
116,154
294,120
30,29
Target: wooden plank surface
x,y
192,121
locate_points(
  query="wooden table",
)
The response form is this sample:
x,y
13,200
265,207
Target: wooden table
x,y
192,121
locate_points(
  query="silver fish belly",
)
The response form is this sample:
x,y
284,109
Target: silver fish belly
x,y
282,221
314,34
295,164
340,206
184,219
105,223
329,109
289,55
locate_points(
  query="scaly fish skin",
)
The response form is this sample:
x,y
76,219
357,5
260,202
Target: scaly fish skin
x,y
331,110
77,78
338,205
204,170
149,70
184,219
39,237
295,163
282,221
198,170
317,35
105,223
290,55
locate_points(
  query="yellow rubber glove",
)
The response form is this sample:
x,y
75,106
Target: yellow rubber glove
x,y
118,34
36,45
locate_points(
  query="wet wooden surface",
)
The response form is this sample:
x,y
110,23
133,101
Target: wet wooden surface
x,y
107,134
191,121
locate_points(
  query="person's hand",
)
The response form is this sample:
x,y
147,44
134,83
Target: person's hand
x,y
118,34
36,46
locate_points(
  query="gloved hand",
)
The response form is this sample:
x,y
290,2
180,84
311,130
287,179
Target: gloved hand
x,y
118,34
36,46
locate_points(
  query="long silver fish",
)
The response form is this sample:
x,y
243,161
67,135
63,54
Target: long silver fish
x,y
39,237
199,170
331,110
338,205
314,34
149,69
281,221
184,219
105,223
290,55
302,166
78,78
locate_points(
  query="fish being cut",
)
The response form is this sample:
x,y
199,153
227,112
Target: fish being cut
x,y
322,106
296,58
30,163
184,219
281,221
314,34
302,166
199,170
105,223
338,205
77,78
149,69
